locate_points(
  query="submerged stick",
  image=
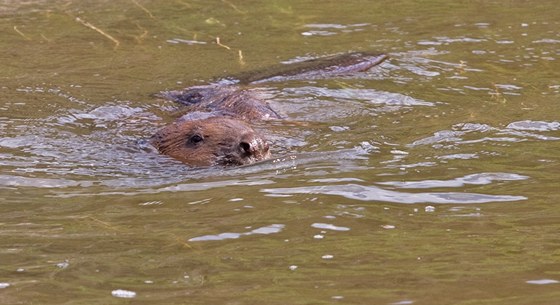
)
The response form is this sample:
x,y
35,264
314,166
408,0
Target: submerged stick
x,y
21,33
233,7
220,44
143,8
93,27
241,61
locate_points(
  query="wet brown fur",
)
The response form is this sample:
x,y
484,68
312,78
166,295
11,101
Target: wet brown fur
x,y
211,141
214,130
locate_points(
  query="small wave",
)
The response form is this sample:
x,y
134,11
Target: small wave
x,y
374,193
271,229
474,179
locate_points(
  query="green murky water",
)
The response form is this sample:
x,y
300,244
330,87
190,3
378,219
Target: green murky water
x,y
432,179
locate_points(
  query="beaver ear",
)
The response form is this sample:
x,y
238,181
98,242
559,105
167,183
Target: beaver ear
x,y
185,97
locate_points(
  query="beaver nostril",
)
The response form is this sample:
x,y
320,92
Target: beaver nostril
x,y
246,147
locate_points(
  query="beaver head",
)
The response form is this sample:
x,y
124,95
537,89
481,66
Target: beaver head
x,y
211,141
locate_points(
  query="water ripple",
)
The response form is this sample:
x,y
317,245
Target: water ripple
x,y
474,179
514,132
271,229
374,193
373,96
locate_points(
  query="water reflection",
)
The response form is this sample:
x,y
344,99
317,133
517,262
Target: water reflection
x,y
543,282
328,226
271,229
372,96
374,193
329,29
514,132
473,179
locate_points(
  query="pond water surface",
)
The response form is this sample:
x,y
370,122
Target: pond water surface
x,y
431,179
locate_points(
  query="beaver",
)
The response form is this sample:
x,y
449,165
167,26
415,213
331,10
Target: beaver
x,y
213,140
214,129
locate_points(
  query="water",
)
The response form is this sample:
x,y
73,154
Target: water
x,y
431,179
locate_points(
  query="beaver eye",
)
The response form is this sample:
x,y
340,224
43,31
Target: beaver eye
x,y
196,139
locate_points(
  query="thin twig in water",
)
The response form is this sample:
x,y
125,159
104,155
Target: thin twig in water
x,y
241,61
180,241
93,27
220,44
45,38
497,94
105,224
234,7
143,8
141,37
21,33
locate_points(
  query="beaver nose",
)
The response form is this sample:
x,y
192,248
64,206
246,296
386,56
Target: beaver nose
x,y
253,146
